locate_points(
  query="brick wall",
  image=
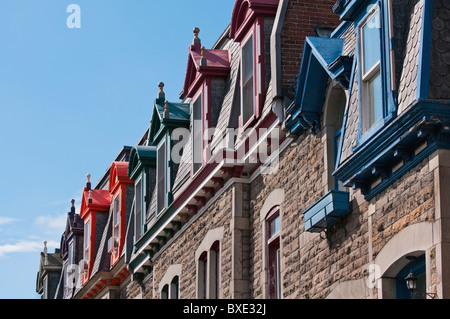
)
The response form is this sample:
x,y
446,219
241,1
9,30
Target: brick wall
x,y
301,19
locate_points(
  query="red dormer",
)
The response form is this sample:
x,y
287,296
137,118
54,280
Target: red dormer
x,y
118,181
248,27
204,64
95,204
205,69
246,13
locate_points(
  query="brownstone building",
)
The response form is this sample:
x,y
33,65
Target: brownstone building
x,y
308,158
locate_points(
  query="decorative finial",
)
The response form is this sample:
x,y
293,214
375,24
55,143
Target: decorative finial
x,y
90,196
203,61
72,209
161,94
196,38
45,253
88,182
166,110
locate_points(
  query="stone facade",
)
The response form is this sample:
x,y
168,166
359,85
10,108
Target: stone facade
x,y
215,239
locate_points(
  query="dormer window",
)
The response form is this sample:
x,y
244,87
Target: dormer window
x,y
248,22
116,219
161,177
247,85
371,89
197,135
87,234
138,223
206,72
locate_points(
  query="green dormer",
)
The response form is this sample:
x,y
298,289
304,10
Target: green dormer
x,y
166,117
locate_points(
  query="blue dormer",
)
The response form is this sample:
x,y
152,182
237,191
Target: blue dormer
x,y
323,58
399,113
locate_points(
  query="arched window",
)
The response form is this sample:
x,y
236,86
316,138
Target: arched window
x,y
208,273
207,258
202,275
165,292
170,282
273,253
270,218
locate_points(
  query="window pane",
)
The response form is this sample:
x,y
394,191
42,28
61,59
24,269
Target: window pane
x,y
275,226
247,60
161,177
138,203
375,103
247,81
247,99
372,45
116,211
197,147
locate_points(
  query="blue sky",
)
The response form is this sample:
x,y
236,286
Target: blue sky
x,y
70,99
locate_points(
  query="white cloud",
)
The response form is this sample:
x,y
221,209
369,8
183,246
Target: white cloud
x,y
52,223
6,220
23,246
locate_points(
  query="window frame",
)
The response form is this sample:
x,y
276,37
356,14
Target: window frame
x,y
87,241
138,220
273,248
197,98
162,147
370,76
116,217
249,40
388,101
255,33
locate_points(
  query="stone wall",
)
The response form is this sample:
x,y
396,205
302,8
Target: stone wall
x,y
181,249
